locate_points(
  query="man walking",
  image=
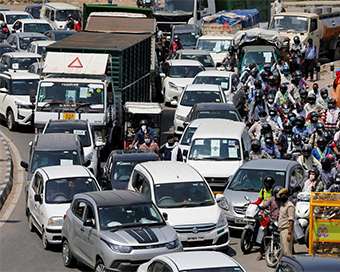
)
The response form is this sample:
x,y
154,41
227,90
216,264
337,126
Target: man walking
x,y
311,57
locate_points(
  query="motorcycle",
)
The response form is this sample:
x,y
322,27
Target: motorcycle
x,y
271,241
301,224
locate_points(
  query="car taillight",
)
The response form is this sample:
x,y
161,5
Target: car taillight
x,y
264,222
64,216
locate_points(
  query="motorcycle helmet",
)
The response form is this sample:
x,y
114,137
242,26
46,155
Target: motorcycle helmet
x,y
300,121
315,171
291,117
252,65
326,163
255,145
176,38
266,128
143,123
285,108
307,151
320,127
299,107
287,127
311,99
267,67
283,88
264,76
258,84
324,93
254,72
296,40
298,74
276,191
268,138
322,142
313,117
331,103
3,24
231,49
303,93
337,178
268,181
286,70
328,135
296,139
273,111
270,98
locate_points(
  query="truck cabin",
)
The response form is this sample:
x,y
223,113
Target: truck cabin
x,y
215,45
294,23
188,35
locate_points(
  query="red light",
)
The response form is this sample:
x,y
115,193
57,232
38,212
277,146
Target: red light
x,y
264,222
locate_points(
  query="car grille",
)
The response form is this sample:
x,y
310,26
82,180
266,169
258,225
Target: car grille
x,y
195,228
216,180
240,210
149,246
197,243
53,230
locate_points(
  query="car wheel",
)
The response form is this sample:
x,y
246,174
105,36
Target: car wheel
x,y
68,258
44,240
31,227
10,120
100,267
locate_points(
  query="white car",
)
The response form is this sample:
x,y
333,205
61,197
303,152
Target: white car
x,y
31,25
50,194
193,94
15,89
39,47
9,17
202,261
186,200
19,61
229,82
176,75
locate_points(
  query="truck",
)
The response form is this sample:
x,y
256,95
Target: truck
x,y
321,24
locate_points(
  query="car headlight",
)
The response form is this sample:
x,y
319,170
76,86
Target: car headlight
x,y
173,244
222,220
55,221
89,157
180,117
117,248
172,85
22,106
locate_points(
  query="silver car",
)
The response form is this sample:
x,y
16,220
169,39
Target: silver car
x,y
115,231
248,181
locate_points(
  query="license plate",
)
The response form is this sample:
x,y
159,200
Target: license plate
x,y
68,116
195,238
215,193
240,221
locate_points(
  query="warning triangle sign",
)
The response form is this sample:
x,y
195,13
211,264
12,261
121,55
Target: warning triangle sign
x,y
75,64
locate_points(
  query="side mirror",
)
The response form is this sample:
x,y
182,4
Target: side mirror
x,y
165,215
247,198
87,163
110,98
174,103
32,96
218,64
24,165
88,223
219,198
37,198
162,75
4,90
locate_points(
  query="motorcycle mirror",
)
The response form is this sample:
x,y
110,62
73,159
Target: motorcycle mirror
x,y
247,198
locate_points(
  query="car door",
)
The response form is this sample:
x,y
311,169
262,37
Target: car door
x,y
4,96
38,209
78,211
33,190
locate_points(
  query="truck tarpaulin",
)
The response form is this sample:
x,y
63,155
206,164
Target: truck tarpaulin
x,y
258,36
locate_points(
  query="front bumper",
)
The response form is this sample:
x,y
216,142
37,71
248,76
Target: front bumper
x,y
53,235
24,117
178,125
172,94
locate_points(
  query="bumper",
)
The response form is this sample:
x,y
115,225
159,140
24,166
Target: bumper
x,y
178,126
53,235
172,94
236,222
24,117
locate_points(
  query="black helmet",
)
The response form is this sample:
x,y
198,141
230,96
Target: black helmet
x,y
264,76
268,138
70,16
266,128
268,181
322,142
326,163
315,171
296,139
311,98
255,145
3,24
254,72
143,122
320,127
231,49
328,135
283,88
276,191
303,93
300,121
337,178
324,93
307,150
271,80
296,40
273,111
270,98
286,70
313,116
299,107
267,67
331,103
288,127
298,73
258,83
252,65
285,108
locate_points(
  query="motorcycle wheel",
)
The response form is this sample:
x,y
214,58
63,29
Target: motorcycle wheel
x,y
273,257
307,237
247,241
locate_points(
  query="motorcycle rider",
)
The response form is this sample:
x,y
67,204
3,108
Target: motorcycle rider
x,y
303,95
306,160
322,150
300,110
315,90
301,128
256,153
274,119
331,116
246,73
313,184
335,188
327,173
270,147
323,99
286,76
255,129
271,103
313,120
252,90
258,106
175,45
295,148
285,137
283,96
230,58
272,86
293,88
330,143
312,104
144,129
297,48
319,130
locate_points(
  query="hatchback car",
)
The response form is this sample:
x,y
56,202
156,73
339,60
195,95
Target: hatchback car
x,y
20,41
19,61
85,131
176,75
248,181
180,192
49,196
115,231
196,261
119,166
200,55
57,35
9,17
31,25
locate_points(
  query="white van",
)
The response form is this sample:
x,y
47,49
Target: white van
x,y
57,14
218,148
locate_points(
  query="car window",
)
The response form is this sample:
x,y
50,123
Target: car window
x,y
187,136
36,182
158,267
221,114
79,209
141,184
2,17
222,81
3,83
191,98
185,71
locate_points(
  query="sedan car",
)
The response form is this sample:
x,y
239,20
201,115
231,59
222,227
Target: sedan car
x,y
9,17
195,261
31,25
115,231
229,82
20,41
176,75
200,55
49,196
248,181
57,35
19,60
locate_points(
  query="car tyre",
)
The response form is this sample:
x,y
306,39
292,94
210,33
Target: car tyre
x,y
68,258
31,226
100,267
10,120
44,240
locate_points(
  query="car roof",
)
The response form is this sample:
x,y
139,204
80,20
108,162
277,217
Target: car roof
x,y
14,12
199,259
219,128
20,75
267,164
215,106
184,62
133,155
22,55
258,48
32,21
117,198
217,37
65,171
215,73
197,122
56,141
65,122
185,28
43,43
310,263
60,6
192,52
203,87
34,6
29,34
170,171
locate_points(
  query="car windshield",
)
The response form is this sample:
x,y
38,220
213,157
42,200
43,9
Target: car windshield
x,y
62,190
222,114
36,12
24,86
183,194
62,15
59,36
188,39
126,216
40,28
82,132
290,24
222,81
214,46
252,179
216,269
13,17
23,63
215,149
206,60
191,98
25,41
185,71
259,57
175,5
122,170
187,136
50,158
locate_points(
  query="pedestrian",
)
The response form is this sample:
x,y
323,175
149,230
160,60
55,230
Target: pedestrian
x,y
170,151
331,116
311,58
77,26
286,223
336,88
149,144
278,6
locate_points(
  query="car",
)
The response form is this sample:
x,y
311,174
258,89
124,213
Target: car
x,y
9,17
176,75
119,165
180,192
5,48
19,61
20,41
200,55
31,25
192,95
229,82
85,131
202,261
54,149
15,89
248,181
39,47
115,231
49,196
34,10
37,68
57,35
307,263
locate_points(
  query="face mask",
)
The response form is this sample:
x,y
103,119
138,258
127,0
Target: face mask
x,y
284,199
306,155
315,89
292,119
311,177
171,143
147,141
143,128
256,148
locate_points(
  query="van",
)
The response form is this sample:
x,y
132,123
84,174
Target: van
x,y
218,148
57,14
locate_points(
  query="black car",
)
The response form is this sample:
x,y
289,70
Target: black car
x,y
5,48
119,166
57,35
307,263
34,10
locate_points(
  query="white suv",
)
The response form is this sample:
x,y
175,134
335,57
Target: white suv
x,y
15,89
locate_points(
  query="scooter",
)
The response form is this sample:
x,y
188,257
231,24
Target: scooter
x,y
272,242
301,224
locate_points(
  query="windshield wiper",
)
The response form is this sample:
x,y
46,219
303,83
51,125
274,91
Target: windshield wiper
x,y
48,104
83,105
114,229
244,189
